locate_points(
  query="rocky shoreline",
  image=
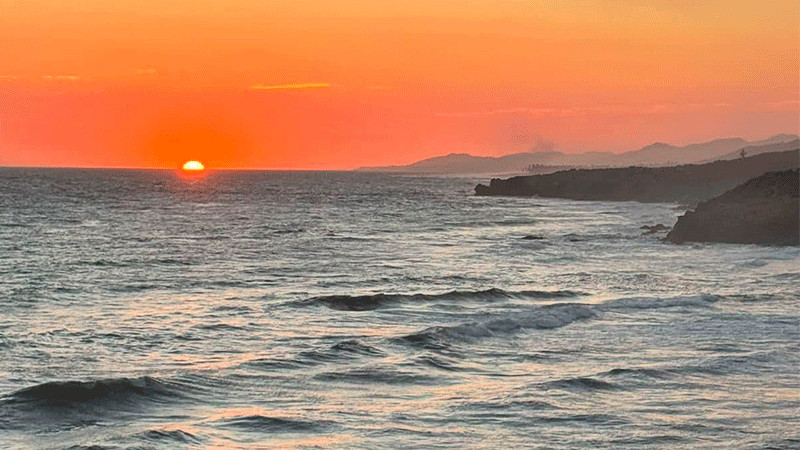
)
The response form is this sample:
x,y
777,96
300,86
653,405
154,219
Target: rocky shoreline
x,y
686,184
763,210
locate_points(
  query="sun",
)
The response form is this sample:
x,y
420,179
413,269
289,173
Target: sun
x,y
193,166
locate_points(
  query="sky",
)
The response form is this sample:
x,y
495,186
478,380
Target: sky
x,y
340,84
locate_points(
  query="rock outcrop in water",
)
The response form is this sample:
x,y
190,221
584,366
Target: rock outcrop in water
x,y
687,184
764,210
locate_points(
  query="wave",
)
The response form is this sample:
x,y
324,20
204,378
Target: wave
x,y
270,364
542,317
340,351
13,225
438,362
347,350
224,327
585,419
376,301
137,262
505,405
112,389
261,423
637,372
289,231
133,287
170,436
90,447
726,365
357,348
372,375
581,384
232,309
693,301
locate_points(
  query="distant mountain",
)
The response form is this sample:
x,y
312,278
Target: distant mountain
x,y
653,155
778,138
660,154
462,163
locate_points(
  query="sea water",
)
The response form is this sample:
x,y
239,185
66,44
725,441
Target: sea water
x,y
309,310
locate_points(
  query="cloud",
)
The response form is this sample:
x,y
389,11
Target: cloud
x,y
8,77
147,71
492,112
583,111
541,112
288,87
784,105
671,108
61,77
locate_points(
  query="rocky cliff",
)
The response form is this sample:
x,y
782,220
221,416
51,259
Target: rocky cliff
x,y
686,184
763,210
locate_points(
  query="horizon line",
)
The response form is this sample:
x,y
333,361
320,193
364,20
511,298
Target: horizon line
x,y
178,169
372,168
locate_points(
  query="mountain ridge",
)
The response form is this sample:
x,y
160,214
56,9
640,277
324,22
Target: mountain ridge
x,y
655,155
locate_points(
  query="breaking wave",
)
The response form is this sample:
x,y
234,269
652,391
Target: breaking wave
x,y
693,301
543,318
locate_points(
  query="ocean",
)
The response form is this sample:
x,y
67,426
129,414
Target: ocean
x,y
350,310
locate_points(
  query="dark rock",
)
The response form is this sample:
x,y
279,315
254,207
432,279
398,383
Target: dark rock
x,y
688,184
763,210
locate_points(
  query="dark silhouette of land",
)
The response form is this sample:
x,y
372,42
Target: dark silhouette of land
x,y
685,184
763,210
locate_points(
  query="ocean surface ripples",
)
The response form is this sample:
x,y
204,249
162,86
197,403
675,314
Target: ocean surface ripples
x,y
311,310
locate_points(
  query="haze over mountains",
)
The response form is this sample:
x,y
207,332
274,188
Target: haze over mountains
x,y
654,155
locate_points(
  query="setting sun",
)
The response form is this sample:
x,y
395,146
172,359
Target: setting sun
x,y
353,223
193,166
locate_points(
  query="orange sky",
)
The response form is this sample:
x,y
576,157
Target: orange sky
x,y
340,84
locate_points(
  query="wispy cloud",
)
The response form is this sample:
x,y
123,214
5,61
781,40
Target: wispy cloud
x,y
670,108
784,105
582,111
147,71
543,112
61,77
8,77
288,87
491,112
